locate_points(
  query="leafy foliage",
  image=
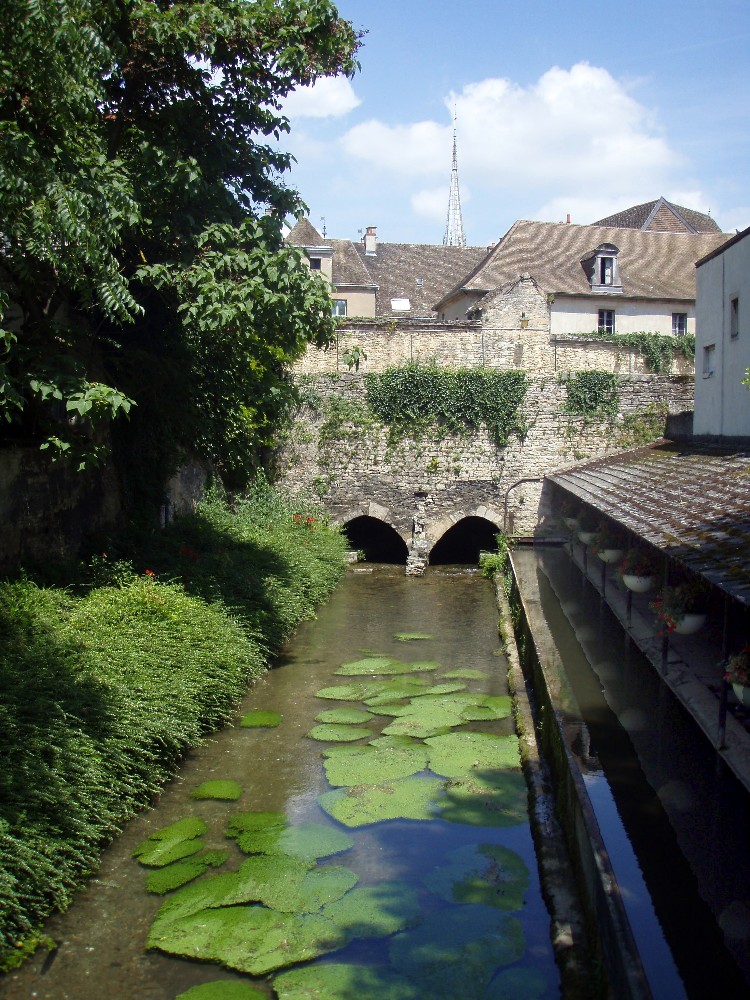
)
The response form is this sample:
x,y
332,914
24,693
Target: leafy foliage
x,y
592,394
138,263
658,350
108,681
417,397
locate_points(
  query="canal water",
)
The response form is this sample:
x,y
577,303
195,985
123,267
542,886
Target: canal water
x,y
102,939
675,820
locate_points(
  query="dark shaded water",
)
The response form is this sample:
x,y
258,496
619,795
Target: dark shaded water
x,y
675,820
102,938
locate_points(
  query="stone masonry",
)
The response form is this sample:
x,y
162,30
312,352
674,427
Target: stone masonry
x,y
422,486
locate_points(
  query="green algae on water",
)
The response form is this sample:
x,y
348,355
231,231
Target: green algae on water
x,y
258,940
338,733
519,981
404,798
308,842
369,665
375,763
385,665
247,822
463,753
454,953
222,989
488,798
466,673
171,843
344,716
224,790
343,982
181,872
423,720
260,719
485,873
411,636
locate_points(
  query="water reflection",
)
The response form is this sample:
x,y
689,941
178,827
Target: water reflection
x,y
102,938
674,818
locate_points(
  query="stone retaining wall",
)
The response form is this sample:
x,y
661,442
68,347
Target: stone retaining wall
x,y
337,449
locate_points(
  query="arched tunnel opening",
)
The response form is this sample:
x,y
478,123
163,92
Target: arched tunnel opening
x,y
464,541
377,540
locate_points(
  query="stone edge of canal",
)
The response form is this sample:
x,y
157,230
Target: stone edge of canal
x,y
589,928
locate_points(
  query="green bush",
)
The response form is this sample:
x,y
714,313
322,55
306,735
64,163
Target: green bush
x,y
418,397
106,686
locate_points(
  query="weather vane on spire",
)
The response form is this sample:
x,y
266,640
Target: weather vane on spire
x,y
454,227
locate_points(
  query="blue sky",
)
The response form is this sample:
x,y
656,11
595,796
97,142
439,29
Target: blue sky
x,y
581,107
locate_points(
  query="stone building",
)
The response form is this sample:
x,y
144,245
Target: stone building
x,y
584,279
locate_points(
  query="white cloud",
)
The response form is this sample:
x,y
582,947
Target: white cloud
x,y
576,136
431,203
417,150
328,97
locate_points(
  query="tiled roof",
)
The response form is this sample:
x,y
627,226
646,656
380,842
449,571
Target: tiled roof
x,y
691,501
421,273
304,234
653,265
348,268
662,215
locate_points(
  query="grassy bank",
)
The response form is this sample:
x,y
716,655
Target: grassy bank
x,y
107,680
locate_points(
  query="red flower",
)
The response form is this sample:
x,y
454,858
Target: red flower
x,y
149,572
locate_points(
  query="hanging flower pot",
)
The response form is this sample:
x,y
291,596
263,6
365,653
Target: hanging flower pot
x,y
586,527
638,584
690,622
610,555
637,570
738,674
607,543
680,608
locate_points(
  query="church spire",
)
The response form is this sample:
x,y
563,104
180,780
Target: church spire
x,y
454,227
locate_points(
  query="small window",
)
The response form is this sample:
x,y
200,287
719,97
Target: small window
x,y
709,352
315,263
734,318
606,270
679,324
606,321
339,307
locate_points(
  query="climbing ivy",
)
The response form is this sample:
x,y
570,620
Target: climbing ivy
x,y
417,398
591,394
658,350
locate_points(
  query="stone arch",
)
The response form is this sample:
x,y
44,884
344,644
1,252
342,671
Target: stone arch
x,y
369,529
462,535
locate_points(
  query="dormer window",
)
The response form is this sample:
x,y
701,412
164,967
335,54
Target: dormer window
x,y
315,263
602,268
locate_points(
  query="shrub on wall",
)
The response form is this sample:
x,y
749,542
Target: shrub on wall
x,y
416,398
657,350
592,394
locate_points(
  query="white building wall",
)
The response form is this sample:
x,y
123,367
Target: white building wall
x,y
576,314
722,402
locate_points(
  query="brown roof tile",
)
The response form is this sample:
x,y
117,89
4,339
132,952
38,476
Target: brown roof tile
x,y
348,268
662,215
421,273
692,502
653,265
304,234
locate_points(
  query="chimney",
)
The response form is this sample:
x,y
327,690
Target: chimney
x,y
371,241
568,218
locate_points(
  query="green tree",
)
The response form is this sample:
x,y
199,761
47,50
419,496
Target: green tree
x,y
141,200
